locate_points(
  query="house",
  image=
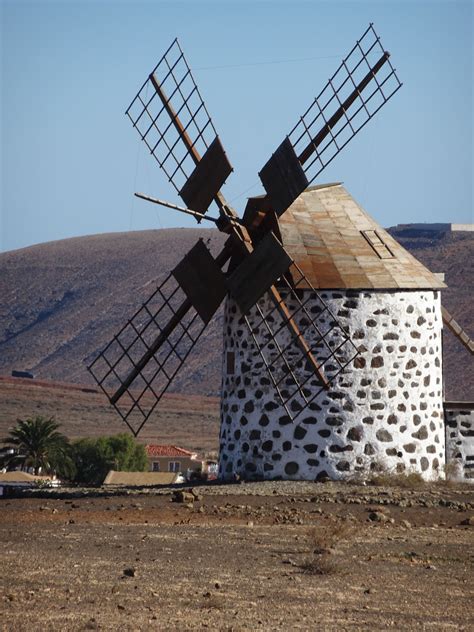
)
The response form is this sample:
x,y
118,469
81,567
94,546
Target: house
x,y
141,479
16,479
170,458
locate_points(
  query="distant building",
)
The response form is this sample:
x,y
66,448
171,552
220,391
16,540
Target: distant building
x,y
16,479
170,458
459,420
427,227
141,479
27,374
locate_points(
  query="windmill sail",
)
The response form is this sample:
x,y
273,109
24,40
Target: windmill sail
x,y
172,119
362,84
293,378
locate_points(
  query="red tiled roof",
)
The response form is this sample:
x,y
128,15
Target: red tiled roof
x,y
168,450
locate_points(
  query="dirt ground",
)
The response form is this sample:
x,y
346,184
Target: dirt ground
x,y
189,421
249,556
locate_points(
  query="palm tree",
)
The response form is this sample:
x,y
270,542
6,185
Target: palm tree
x,y
41,446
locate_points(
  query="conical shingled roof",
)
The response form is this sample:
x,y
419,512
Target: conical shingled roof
x,y
339,246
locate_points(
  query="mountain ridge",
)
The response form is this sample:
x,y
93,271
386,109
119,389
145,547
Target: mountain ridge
x,y
63,300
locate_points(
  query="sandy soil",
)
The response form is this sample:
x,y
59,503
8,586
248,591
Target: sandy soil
x,y
252,556
189,421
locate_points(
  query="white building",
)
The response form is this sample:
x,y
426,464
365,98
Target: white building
x,y
385,410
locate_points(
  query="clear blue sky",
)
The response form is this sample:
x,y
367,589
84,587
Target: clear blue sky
x,y
71,161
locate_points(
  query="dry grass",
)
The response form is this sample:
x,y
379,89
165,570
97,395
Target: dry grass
x,y
322,565
213,602
411,480
324,559
321,539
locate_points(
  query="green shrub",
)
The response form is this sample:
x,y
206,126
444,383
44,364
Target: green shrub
x,y
93,458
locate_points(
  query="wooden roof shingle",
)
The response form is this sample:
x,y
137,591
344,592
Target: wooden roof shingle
x,y
322,231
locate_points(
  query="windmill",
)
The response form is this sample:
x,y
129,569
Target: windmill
x,y
253,268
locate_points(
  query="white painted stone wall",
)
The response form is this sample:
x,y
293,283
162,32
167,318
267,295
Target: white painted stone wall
x,y
460,442
384,412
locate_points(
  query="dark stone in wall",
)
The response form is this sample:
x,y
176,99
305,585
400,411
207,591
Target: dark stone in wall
x,y
378,406
270,406
355,433
264,420
421,434
322,476
334,421
249,406
291,468
383,435
300,432
340,448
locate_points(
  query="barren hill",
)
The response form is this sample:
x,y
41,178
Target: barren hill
x,y
62,301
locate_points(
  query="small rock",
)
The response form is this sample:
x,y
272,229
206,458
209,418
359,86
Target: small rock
x,y
129,572
377,516
406,524
468,521
71,521
120,606
179,496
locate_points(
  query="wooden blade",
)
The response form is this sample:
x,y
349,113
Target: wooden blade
x,y
299,367
456,329
138,365
172,119
353,95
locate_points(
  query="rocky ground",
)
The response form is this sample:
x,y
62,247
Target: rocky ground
x,y
276,555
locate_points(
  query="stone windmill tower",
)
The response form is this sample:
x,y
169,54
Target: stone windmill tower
x,y
385,409
332,350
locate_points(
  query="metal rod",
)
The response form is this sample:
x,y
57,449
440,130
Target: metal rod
x,y
176,122
311,148
175,207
